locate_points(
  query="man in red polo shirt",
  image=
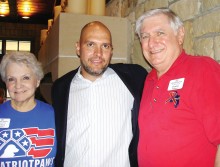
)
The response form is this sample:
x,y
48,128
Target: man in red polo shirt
x,y
179,115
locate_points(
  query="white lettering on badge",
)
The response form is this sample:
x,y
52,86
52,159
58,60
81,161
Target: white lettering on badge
x,y
4,122
176,84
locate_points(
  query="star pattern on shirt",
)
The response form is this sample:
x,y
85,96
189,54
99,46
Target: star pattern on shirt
x,y
25,143
5,135
17,134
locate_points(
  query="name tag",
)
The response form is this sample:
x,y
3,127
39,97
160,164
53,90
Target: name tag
x,y
176,84
4,122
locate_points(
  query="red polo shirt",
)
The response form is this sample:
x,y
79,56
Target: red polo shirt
x,y
179,115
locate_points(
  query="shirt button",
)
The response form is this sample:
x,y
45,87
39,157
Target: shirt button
x,y
157,87
155,100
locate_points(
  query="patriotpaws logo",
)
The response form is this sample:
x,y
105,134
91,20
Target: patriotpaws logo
x,y
33,142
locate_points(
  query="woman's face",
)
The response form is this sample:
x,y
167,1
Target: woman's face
x,y
21,83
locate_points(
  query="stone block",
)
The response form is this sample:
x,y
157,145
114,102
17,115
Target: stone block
x,y
204,46
210,4
139,10
206,24
138,57
186,9
152,4
114,8
188,41
217,48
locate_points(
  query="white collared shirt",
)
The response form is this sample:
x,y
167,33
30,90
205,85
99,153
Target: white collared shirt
x,y
99,127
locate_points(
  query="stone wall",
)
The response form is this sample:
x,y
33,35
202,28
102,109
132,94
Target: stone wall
x,y
201,21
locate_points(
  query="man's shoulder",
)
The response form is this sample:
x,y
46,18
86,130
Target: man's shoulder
x,y
127,66
66,78
130,70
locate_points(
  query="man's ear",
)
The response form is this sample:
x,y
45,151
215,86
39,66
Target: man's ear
x,y
77,45
181,34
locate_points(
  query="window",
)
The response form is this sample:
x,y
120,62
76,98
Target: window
x,y
14,45
8,45
25,46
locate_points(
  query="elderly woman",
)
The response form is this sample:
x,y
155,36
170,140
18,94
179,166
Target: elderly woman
x,y
27,128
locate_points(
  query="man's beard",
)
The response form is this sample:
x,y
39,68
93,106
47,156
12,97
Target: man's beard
x,y
92,72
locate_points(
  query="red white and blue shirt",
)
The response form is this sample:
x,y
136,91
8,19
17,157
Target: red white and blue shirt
x,y
27,139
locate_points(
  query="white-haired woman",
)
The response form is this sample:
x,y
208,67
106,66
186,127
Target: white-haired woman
x,y
27,125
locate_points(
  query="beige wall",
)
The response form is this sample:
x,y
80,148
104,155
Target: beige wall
x,y
201,20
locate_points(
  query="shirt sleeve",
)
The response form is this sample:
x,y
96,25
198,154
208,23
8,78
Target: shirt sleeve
x,y
209,100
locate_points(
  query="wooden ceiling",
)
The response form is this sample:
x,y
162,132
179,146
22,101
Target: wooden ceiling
x,y
40,11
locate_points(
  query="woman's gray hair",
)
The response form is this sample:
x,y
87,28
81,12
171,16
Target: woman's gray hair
x,y
175,21
26,58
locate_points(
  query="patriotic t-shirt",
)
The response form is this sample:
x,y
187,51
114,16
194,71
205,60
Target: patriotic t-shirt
x,y
27,139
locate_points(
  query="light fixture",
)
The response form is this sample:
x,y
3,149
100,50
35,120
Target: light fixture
x,y
24,9
4,8
25,17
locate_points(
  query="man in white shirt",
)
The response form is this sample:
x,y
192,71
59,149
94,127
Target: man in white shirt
x,y
97,105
